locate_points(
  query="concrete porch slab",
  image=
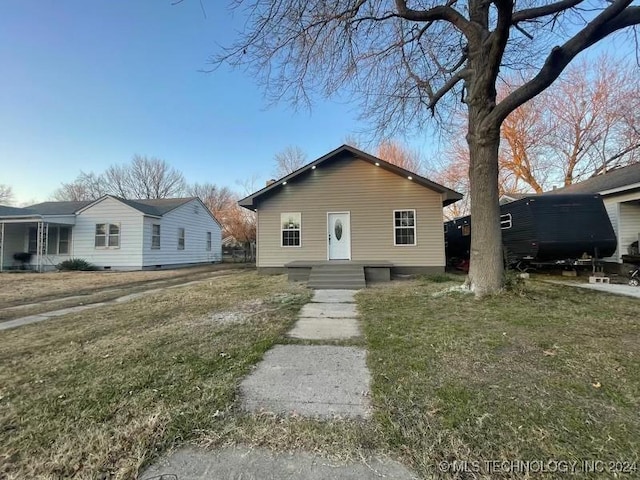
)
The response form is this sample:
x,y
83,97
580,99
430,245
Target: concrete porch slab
x,y
325,329
334,296
318,381
261,464
329,310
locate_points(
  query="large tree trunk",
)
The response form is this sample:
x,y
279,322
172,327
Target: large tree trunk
x,y
486,265
486,268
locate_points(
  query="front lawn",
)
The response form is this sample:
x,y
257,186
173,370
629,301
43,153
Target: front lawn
x,y
552,375
100,393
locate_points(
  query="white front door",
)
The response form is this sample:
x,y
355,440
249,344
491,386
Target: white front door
x,y
339,226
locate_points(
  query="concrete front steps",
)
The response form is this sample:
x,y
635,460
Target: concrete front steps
x,y
338,277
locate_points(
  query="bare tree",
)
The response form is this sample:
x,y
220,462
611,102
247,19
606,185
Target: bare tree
x,y
289,160
394,152
6,194
87,186
403,60
221,201
145,177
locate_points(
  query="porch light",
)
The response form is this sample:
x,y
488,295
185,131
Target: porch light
x,y
284,183
313,167
377,164
410,177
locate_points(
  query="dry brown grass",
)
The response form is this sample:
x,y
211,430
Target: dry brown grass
x,y
26,287
98,394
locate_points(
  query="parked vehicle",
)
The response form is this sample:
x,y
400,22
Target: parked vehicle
x,y
543,229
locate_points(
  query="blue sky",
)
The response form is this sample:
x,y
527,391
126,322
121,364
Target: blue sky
x,y
88,84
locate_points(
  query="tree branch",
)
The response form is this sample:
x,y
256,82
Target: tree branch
x,y
615,17
551,9
442,12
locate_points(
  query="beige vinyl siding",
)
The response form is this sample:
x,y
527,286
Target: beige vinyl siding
x,y
370,194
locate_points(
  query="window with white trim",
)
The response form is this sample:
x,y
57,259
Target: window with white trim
x,y
506,221
107,235
58,241
181,237
208,241
404,227
290,225
155,236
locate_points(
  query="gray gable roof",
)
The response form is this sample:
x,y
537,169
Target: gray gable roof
x,y
156,206
618,178
58,208
347,151
6,211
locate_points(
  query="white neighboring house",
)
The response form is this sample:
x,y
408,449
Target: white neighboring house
x,y
111,233
620,191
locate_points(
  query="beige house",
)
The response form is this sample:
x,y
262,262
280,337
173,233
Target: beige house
x,y
350,209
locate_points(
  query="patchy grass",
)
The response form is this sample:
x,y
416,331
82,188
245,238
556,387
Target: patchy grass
x,y
20,288
99,394
551,374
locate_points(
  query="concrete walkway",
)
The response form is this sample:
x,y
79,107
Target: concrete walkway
x,y
317,381
18,322
614,288
261,464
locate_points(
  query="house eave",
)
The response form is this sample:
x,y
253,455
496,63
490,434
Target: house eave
x,y
448,196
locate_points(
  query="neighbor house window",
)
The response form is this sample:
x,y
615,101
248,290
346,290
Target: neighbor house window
x,y
155,236
107,235
33,240
290,227
59,239
181,239
404,226
505,221
208,241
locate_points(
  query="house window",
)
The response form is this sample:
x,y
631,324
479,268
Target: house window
x,y
208,241
466,230
107,235
59,239
505,221
290,227
181,239
404,227
155,236
33,240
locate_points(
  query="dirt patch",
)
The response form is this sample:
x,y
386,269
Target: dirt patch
x,y
250,310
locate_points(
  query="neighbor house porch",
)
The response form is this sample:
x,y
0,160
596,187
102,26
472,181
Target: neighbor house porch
x,y
34,243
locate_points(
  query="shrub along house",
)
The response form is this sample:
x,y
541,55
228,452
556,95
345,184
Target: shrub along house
x,y
349,216
111,233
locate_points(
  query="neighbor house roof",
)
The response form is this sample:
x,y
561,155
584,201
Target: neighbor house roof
x,y
58,208
156,206
6,211
346,151
617,179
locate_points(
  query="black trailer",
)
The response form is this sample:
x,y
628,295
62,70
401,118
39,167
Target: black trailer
x,y
541,229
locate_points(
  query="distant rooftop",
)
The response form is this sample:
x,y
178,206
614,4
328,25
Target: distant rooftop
x,y
617,178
